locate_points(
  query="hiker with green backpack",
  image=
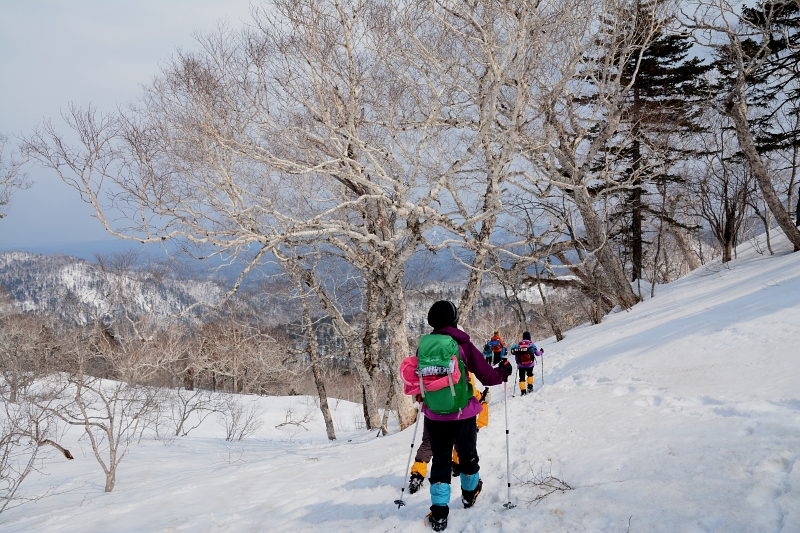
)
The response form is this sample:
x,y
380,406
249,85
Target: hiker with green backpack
x,y
439,375
420,467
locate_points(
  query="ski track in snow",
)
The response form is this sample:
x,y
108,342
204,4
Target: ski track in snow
x,y
680,415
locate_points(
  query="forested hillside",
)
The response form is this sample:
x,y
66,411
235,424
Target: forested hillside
x,y
74,290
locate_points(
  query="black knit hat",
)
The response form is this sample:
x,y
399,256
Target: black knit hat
x,y
442,314
526,336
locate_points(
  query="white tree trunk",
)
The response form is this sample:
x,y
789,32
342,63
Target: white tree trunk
x,y
738,112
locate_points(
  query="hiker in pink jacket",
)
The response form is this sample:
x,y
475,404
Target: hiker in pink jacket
x,y
525,354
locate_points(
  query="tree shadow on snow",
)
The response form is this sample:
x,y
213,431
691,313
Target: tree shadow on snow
x,y
374,482
329,512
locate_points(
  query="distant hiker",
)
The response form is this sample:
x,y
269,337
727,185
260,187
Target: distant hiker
x,y
444,359
524,353
488,353
419,470
498,347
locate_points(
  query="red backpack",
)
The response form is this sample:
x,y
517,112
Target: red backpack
x,y
523,350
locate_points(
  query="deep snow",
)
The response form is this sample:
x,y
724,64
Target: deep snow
x,y
681,415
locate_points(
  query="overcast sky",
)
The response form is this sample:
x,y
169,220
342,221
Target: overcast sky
x,y
53,52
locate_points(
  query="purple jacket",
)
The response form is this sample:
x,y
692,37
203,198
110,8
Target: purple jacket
x,y
475,362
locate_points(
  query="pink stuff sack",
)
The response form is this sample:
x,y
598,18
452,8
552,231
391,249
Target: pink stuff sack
x,y
408,373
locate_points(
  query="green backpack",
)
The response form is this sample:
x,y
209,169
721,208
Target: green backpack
x,y
434,355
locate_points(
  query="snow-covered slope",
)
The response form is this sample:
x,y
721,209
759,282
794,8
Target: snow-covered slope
x,y
681,415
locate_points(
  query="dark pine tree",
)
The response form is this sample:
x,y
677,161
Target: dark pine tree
x,y
776,86
664,102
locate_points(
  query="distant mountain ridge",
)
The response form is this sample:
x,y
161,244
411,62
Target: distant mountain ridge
x,y
72,289
48,283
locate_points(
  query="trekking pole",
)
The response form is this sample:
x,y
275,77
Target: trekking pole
x,y
508,505
542,368
400,502
513,394
513,390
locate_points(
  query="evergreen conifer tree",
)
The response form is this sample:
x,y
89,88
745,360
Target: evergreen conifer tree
x,y
776,86
664,103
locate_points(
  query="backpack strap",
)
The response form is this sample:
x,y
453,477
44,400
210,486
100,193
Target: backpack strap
x,y
450,380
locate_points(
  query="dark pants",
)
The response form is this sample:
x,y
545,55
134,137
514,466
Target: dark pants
x,y
463,434
524,372
496,358
424,452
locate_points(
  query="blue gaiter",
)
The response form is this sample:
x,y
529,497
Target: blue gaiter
x,y
440,493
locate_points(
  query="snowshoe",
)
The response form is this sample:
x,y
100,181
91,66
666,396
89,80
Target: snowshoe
x,y
530,388
437,518
468,497
415,483
437,524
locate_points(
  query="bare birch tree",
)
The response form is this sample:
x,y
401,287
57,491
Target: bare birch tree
x,y
190,408
25,427
12,178
316,367
725,186
354,341
113,414
26,422
26,345
487,48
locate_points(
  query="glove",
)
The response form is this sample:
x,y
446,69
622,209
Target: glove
x,y
418,398
542,350
505,366
485,395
